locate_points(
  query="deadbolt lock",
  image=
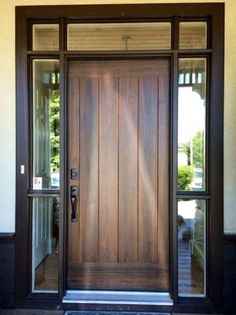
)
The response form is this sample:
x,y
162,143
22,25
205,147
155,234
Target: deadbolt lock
x,y
74,173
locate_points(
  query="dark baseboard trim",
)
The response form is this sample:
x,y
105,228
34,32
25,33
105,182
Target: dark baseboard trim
x,y
230,237
7,237
7,270
230,273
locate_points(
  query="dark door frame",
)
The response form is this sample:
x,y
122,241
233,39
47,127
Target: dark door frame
x,y
214,14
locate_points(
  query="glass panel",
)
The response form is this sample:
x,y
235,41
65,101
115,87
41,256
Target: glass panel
x,y
119,36
45,236
45,37
192,35
46,123
191,124
191,247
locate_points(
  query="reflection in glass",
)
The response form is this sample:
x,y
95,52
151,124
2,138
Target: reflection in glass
x,y
119,36
46,123
191,124
192,35
45,37
45,235
191,247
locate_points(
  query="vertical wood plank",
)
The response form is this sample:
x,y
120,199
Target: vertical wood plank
x,y
148,168
108,169
73,162
89,169
128,123
163,178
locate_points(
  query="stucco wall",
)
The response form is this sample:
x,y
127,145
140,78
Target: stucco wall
x,y
7,105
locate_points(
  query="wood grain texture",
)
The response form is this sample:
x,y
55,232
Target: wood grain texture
x,y
163,172
108,169
124,68
89,169
128,123
121,130
118,276
148,171
74,162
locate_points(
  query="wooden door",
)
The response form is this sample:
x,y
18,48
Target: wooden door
x,y
118,118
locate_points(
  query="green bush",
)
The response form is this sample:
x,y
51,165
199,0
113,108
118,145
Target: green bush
x,y
198,149
54,105
185,177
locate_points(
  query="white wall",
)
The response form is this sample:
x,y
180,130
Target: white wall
x,y
7,117
7,105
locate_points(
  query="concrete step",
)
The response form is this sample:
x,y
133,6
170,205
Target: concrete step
x,y
50,312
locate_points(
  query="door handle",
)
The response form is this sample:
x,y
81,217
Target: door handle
x,y
74,195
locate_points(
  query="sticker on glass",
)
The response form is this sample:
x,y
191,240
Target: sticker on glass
x,y
55,180
37,183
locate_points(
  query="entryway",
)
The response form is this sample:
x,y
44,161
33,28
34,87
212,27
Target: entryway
x,y
120,110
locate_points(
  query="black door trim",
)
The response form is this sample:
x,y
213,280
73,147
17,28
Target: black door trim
x,y
214,14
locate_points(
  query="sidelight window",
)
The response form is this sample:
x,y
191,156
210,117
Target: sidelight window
x,y
46,124
192,175
45,177
192,124
45,244
191,247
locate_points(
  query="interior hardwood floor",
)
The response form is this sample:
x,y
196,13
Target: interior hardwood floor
x,y
46,273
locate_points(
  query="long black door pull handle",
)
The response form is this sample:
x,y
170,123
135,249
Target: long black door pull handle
x,y
74,194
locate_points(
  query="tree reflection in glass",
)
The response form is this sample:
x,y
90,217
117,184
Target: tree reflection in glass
x,y
191,124
46,124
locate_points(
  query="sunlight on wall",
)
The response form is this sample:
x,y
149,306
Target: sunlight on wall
x,y
7,105
7,117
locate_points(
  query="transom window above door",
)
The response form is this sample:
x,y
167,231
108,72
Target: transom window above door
x,y
121,36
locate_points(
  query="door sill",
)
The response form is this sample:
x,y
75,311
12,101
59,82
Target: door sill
x,y
117,297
